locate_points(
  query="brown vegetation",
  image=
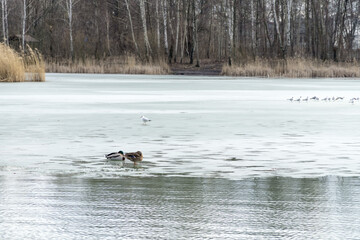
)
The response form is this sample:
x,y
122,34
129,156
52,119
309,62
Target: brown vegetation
x,y
293,68
11,65
17,68
124,65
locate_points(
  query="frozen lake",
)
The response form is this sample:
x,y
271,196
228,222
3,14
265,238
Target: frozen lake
x,y
236,148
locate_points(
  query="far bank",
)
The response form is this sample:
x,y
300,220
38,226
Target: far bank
x,y
271,68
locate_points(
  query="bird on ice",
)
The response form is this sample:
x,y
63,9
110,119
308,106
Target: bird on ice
x,y
145,119
298,100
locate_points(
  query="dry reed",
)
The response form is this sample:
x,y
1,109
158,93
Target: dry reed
x,y
124,65
11,65
17,68
34,66
294,68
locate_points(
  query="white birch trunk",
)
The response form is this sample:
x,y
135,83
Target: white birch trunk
x,y
108,31
276,22
131,27
229,19
3,14
177,29
288,23
146,39
23,26
184,34
195,37
71,30
165,27
69,10
229,29
253,29
6,22
157,24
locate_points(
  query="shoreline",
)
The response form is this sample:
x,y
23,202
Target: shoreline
x,y
291,68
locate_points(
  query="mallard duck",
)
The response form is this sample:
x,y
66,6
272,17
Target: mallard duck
x,y
134,156
116,156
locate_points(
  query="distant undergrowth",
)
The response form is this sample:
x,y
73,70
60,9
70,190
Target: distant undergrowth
x,y
293,68
124,65
15,67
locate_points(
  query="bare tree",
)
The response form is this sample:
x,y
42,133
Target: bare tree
x,y
69,6
224,30
146,39
288,24
195,34
131,27
166,44
253,29
184,35
177,29
4,17
229,29
23,25
157,24
276,21
107,20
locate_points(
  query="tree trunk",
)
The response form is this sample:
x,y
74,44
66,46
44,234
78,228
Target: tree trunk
x,y
146,39
69,9
288,26
4,12
184,32
157,25
276,20
132,28
210,34
234,24
253,29
166,44
107,30
195,38
177,30
229,30
23,26
97,31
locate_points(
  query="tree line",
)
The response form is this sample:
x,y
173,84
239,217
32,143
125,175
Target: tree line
x,y
186,31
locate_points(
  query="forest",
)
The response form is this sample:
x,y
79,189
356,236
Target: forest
x,y
185,31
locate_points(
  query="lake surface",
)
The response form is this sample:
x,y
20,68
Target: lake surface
x,y
224,158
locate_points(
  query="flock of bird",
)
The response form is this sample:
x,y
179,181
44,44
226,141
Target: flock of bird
x,y
135,157
326,99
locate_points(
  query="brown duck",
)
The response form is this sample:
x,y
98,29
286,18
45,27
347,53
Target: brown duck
x,y
134,156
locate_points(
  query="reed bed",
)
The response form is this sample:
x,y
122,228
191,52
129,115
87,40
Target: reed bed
x,y
34,66
15,67
11,65
124,65
294,68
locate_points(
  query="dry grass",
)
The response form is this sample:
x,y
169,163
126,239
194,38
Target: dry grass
x,y
17,68
11,65
34,66
124,65
294,68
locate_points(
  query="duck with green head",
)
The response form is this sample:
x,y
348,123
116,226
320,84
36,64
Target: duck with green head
x,y
135,157
115,156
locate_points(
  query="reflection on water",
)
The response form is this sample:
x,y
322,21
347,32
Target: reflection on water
x,y
179,208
